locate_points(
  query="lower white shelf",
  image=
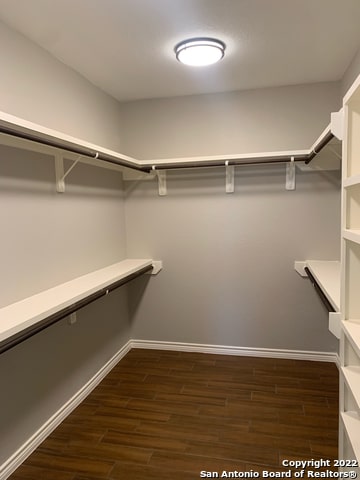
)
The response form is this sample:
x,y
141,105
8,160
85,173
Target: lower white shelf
x,y
351,424
352,377
351,329
21,315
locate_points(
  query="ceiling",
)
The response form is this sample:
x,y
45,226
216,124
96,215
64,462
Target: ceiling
x,y
125,47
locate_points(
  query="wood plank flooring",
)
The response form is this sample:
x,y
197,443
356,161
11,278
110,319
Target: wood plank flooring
x,y
170,415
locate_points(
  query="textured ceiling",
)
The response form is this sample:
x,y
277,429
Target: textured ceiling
x,y
125,47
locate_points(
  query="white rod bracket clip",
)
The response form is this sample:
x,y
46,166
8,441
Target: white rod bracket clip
x,y
290,175
161,176
229,177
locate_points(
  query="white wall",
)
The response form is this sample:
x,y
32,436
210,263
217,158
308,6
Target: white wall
x,y
228,275
48,238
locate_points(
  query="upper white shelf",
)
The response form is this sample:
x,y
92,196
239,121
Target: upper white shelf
x,y
327,275
23,314
27,134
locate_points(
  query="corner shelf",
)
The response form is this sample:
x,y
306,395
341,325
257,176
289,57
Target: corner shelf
x,y
23,319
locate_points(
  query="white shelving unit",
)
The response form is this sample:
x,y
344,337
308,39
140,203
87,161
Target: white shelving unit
x,y
29,312
349,432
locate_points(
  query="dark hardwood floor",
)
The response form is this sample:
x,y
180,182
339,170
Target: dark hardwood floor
x,y
172,415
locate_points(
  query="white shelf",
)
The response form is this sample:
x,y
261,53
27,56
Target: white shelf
x,y
352,331
352,427
352,378
327,275
351,181
352,235
66,143
23,314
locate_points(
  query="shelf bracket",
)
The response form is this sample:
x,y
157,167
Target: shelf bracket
x,y
229,177
59,171
335,323
161,176
299,268
337,124
290,175
157,266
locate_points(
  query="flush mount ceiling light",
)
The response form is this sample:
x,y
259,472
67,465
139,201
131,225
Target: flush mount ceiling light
x,y
199,52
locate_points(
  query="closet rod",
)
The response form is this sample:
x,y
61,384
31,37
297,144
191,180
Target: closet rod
x,y
69,147
221,163
319,146
319,291
306,157
65,312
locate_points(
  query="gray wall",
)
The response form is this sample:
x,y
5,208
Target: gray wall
x,y
228,275
269,119
351,73
39,88
48,238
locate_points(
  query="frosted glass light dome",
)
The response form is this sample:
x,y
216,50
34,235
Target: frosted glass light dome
x,y
199,52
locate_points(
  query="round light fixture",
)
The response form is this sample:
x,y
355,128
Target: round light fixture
x,y
199,52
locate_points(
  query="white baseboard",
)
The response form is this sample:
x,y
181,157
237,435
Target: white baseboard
x,y
7,468
240,351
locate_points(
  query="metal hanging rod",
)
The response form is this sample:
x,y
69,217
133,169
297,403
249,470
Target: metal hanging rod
x,y
319,146
65,145
65,312
238,162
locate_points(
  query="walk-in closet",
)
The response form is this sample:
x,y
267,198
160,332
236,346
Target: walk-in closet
x,y
180,239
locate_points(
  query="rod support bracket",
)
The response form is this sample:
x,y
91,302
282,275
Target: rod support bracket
x,y
157,267
59,171
337,124
290,175
161,176
335,323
